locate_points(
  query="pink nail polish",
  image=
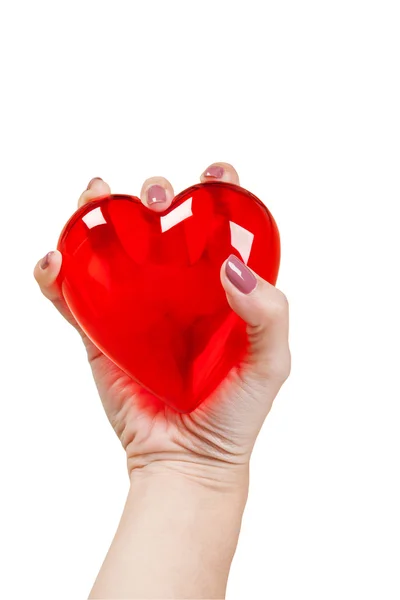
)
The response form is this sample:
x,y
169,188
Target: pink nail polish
x,y
214,171
92,181
156,194
240,275
46,260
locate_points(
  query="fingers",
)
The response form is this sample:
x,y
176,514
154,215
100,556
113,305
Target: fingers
x,y
46,272
265,310
48,268
95,189
220,172
157,193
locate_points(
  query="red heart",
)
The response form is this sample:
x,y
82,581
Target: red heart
x,y
145,286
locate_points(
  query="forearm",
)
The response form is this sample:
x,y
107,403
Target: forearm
x,y
176,537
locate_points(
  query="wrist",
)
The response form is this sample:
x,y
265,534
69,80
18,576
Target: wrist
x,y
198,476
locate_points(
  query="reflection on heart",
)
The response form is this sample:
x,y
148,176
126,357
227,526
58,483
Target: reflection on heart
x,y
145,286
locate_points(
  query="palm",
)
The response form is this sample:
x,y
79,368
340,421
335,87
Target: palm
x,y
145,424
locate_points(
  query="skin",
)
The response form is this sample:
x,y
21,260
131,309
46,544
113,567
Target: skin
x,y
188,472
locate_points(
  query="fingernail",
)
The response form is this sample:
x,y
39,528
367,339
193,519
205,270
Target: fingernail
x,y
240,275
46,260
214,171
92,181
156,194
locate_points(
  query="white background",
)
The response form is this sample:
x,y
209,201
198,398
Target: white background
x,y
303,98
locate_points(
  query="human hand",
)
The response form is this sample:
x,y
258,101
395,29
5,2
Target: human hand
x,y
215,440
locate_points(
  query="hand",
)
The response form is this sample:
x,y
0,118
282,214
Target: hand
x,y
215,440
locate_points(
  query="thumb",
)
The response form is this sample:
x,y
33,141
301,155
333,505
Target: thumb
x,y
265,310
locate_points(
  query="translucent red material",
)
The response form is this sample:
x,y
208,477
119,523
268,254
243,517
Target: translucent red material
x,y
145,286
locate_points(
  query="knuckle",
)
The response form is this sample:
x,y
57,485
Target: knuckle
x,y
279,370
278,307
271,375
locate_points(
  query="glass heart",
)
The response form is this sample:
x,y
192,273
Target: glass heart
x,y
145,286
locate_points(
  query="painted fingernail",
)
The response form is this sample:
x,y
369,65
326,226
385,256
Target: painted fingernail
x,y
240,275
156,194
92,181
46,260
214,171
